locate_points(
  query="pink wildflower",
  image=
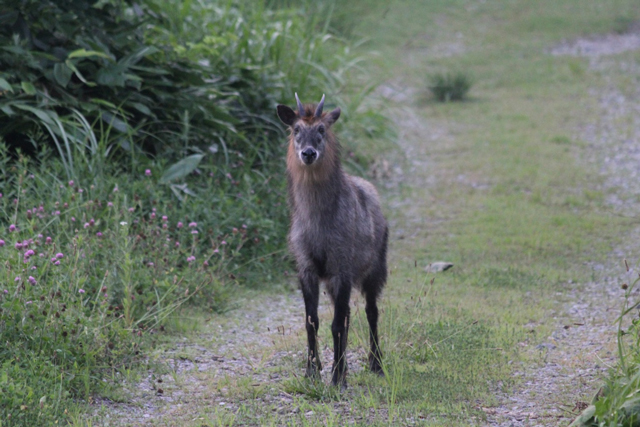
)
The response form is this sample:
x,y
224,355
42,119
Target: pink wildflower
x,y
110,205
48,240
132,209
12,227
193,224
164,218
147,172
86,225
32,280
56,263
81,291
194,231
191,259
59,255
1,243
71,183
18,246
99,234
180,224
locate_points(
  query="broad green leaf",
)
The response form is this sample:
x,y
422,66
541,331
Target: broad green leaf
x,y
115,122
7,110
111,76
142,108
134,57
181,169
62,74
78,73
46,116
29,88
4,85
83,53
103,102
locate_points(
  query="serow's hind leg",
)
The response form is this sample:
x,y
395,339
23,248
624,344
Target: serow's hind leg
x,y
371,288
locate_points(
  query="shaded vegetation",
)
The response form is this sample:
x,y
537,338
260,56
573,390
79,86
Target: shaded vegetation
x,y
141,171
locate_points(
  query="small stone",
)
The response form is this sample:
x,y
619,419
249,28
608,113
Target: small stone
x,y
438,266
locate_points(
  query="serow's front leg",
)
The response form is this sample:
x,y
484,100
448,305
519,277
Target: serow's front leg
x,y
340,331
310,291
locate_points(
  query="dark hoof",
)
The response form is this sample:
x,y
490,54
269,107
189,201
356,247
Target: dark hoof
x,y
312,373
339,379
313,370
375,367
378,371
342,384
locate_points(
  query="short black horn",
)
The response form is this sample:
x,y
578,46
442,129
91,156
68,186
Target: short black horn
x,y
319,108
300,107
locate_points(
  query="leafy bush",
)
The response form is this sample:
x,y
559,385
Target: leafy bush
x,y
447,87
163,76
88,273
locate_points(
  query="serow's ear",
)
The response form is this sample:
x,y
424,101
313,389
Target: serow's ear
x,y
286,115
333,116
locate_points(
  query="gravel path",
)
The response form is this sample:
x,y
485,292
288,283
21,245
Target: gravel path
x,y
572,360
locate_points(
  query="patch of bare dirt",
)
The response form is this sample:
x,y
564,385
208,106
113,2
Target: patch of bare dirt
x,y
596,46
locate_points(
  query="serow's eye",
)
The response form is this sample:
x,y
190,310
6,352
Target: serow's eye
x,y
296,130
321,129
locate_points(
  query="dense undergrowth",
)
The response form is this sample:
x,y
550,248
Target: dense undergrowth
x,y
141,171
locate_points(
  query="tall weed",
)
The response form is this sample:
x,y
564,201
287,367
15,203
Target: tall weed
x,y
618,402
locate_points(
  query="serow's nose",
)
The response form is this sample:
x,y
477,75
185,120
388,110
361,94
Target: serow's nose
x,y
309,155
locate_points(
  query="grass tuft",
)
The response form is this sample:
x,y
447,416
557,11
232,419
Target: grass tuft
x,y
447,87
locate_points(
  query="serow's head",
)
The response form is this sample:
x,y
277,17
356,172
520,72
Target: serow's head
x,y
310,129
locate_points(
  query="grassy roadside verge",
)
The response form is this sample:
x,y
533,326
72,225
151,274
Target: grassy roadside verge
x,y
495,185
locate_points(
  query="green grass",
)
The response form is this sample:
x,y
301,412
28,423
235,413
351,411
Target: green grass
x,y
512,208
504,195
